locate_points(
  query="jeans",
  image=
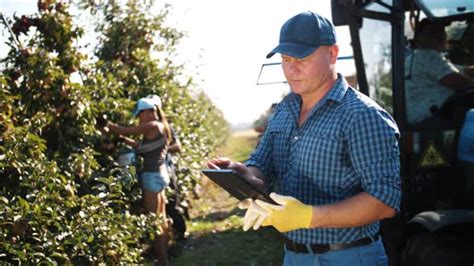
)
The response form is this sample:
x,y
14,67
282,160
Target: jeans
x,y
154,181
368,255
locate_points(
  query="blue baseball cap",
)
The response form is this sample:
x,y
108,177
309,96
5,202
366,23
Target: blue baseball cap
x,y
145,103
302,34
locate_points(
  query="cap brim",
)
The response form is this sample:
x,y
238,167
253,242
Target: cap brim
x,y
295,50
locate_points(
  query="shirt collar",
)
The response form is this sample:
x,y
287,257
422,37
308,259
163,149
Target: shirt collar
x,y
293,101
337,92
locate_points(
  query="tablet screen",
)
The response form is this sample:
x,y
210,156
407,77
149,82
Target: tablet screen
x,y
236,185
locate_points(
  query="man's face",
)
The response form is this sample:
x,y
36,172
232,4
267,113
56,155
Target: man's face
x,y
307,75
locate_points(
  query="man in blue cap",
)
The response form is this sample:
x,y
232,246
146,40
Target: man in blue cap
x,y
331,154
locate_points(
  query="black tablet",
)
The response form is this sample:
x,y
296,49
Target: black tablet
x,y
236,185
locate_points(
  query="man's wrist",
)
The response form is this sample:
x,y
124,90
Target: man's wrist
x,y
318,212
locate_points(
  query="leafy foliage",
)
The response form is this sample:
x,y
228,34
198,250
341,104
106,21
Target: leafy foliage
x,y
62,197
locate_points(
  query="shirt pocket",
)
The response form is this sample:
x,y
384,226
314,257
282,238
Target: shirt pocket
x,y
280,137
323,158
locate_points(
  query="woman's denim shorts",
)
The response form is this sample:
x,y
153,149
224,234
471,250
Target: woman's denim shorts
x,y
154,181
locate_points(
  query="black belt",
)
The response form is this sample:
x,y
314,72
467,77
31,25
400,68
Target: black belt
x,y
322,248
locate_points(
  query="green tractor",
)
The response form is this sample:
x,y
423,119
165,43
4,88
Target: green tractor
x,y
436,223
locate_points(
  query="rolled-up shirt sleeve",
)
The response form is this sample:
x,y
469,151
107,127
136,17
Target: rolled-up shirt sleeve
x,y
374,151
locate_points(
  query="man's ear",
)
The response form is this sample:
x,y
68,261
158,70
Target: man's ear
x,y
333,53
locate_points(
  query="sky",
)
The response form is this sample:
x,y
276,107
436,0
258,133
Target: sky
x,y
230,39
225,46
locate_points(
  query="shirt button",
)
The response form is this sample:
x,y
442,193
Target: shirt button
x,y
295,138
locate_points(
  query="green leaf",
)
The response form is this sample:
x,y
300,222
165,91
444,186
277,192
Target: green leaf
x,y
4,200
58,255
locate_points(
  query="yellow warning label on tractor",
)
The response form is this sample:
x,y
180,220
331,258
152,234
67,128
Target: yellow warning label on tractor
x,y
432,157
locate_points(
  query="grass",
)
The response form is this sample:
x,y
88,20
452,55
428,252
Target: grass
x,y
215,229
239,145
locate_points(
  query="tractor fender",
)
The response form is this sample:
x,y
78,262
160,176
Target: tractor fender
x,y
434,220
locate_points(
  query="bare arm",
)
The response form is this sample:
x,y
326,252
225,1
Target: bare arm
x,y
357,210
457,81
143,128
129,141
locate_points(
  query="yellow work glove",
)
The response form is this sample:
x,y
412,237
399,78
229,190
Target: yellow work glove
x,y
290,215
254,215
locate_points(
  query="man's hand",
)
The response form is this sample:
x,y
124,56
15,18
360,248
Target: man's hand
x,y
290,215
251,174
254,216
219,163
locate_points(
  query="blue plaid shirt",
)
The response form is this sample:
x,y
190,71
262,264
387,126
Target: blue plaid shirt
x,y
347,145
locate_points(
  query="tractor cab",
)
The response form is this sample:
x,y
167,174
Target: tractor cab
x,y
436,223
